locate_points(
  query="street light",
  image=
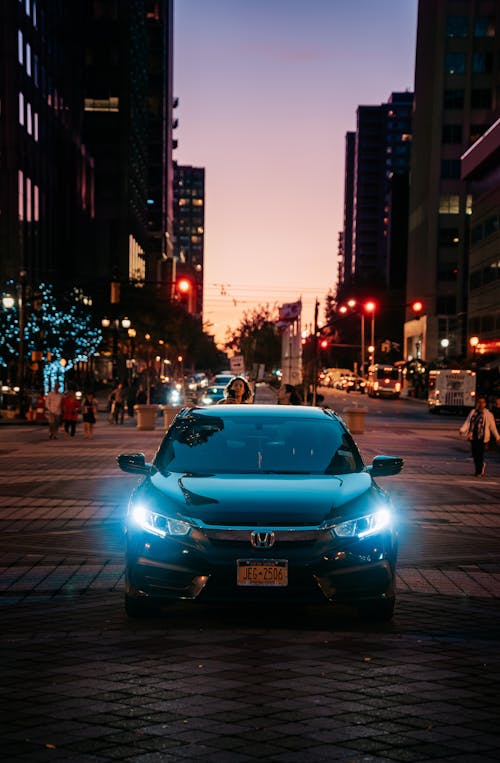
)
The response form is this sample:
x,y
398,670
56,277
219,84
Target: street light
x,y
115,324
445,343
474,341
369,307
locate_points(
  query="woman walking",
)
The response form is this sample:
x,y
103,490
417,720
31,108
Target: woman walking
x,y
478,428
89,415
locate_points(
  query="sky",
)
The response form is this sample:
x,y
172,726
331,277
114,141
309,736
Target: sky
x,y
267,91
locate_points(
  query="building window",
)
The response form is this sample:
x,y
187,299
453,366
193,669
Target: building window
x,y
446,306
20,195
454,99
20,47
29,119
450,168
28,59
28,200
452,133
456,26
35,127
475,280
484,26
454,63
35,70
491,226
476,131
481,98
476,234
490,273
21,109
449,204
36,203
482,62
468,204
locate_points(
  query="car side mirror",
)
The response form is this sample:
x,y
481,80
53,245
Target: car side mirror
x,y
134,463
385,466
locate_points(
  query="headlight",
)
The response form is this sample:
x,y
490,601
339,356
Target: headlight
x,y
207,400
362,527
158,524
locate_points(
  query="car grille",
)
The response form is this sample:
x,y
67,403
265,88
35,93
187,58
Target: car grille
x,y
288,538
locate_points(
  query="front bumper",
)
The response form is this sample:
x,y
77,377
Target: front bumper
x,y
321,568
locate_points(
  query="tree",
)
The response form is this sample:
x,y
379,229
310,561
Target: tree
x,y
256,338
59,330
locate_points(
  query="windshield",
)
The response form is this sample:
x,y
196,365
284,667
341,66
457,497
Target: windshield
x,y
209,444
388,373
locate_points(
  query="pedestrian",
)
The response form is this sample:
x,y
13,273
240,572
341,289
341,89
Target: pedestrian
x,y
117,400
237,392
89,415
288,395
141,398
478,427
53,408
70,411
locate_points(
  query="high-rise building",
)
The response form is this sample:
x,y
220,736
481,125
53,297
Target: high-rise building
x,y
376,208
481,171
457,86
189,228
47,188
86,142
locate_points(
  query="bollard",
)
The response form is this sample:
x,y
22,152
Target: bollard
x,y
355,419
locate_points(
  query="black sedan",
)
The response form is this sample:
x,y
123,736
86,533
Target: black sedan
x,y
269,504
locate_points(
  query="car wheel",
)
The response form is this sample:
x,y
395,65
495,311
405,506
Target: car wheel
x,y
139,608
379,611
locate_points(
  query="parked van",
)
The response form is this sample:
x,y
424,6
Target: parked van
x,y
384,380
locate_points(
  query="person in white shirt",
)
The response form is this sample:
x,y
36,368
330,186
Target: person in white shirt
x,y
478,427
53,407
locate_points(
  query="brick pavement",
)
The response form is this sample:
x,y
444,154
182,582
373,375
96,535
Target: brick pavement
x,y
80,682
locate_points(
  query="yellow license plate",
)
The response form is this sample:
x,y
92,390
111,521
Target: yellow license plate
x,y
262,572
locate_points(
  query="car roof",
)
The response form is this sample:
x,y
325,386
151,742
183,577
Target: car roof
x,y
270,411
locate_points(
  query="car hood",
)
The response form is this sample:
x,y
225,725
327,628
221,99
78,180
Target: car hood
x,y
259,499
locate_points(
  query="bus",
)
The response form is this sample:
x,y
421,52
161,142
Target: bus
x,y
384,380
451,389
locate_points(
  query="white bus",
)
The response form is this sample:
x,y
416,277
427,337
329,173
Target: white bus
x,y
384,381
451,389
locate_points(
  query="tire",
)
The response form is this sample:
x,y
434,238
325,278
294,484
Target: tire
x,y
378,611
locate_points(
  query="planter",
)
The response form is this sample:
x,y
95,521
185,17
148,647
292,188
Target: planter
x,y
169,413
146,416
355,419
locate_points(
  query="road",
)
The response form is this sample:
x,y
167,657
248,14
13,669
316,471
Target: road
x,y
83,683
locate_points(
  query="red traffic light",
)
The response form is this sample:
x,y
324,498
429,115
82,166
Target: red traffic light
x,y
324,344
184,285
417,306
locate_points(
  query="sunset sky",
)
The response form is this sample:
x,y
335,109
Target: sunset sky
x,y
267,91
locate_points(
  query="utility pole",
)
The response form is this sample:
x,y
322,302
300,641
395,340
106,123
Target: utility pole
x,y
315,350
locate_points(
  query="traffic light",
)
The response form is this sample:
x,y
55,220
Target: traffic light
x,y
185,293
324,344
417,306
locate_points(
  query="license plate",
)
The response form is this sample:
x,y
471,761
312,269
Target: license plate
x,y
262,572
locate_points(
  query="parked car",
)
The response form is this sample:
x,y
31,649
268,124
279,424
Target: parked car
x,y
354,384
262,503
215,391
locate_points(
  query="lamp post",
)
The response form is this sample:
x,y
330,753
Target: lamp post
x,y
8,303
368,307
445,343
474,341
115,324
132,333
